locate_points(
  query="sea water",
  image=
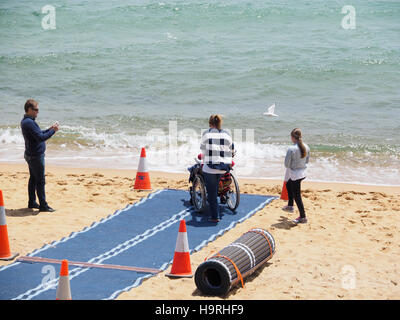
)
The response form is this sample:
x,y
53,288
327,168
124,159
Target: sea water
x,y
122,75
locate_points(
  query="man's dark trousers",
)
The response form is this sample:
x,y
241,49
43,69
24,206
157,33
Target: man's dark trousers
x,y
36,180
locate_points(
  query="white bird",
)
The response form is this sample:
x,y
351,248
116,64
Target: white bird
x,y
270,111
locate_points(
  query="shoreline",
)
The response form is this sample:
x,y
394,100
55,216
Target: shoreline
x,y
156,173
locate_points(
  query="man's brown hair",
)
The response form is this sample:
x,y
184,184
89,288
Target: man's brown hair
x,y
30,103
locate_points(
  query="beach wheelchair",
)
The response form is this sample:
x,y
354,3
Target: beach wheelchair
x,y
228,189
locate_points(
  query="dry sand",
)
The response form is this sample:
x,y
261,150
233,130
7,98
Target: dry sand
x,y
351,228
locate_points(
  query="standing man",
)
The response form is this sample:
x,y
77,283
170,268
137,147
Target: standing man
x,y
35,147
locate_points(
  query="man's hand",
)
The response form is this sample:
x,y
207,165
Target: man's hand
x,y
54,127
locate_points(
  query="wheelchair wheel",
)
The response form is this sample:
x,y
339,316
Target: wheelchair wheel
x,y
199,196
233,195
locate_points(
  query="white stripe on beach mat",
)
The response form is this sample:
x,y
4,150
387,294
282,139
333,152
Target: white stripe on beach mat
x,y
107,255
137,283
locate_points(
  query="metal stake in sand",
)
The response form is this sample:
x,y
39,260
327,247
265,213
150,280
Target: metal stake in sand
x,y
87,264
63,289
5,253
181,267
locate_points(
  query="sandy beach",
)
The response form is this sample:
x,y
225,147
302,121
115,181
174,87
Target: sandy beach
x,y
351,227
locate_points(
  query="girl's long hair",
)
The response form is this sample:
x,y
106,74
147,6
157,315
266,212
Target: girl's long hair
x,y
296,134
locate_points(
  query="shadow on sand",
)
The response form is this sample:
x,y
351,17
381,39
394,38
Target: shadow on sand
x,y
23,212
284,223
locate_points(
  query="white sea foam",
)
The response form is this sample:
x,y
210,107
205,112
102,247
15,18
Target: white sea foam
x,y
11,136
89,147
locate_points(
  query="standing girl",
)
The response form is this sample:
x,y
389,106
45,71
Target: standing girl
x,y
296,161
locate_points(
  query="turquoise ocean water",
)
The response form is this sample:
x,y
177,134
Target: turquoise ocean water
x,y
119,75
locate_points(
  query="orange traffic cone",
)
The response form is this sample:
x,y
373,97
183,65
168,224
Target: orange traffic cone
x,y
63,289
5,253
284,194
142,181
181,267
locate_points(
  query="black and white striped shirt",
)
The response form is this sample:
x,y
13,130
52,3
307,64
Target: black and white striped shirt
x,y
218,148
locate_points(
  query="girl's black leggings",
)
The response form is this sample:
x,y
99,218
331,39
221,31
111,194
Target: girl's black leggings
x,y
294,192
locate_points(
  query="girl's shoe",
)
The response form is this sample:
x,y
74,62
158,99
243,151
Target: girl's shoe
x,y
288,209
299,220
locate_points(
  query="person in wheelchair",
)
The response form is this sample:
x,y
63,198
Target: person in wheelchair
x,y
218,149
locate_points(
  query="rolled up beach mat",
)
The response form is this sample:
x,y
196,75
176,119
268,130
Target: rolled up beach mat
x,y
218,274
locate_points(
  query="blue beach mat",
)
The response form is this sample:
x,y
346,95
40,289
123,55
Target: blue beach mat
x,y
141,235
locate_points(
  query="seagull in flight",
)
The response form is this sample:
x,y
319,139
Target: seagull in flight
x,y
270,111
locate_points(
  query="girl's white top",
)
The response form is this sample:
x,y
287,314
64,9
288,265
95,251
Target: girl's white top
x,y
295,164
